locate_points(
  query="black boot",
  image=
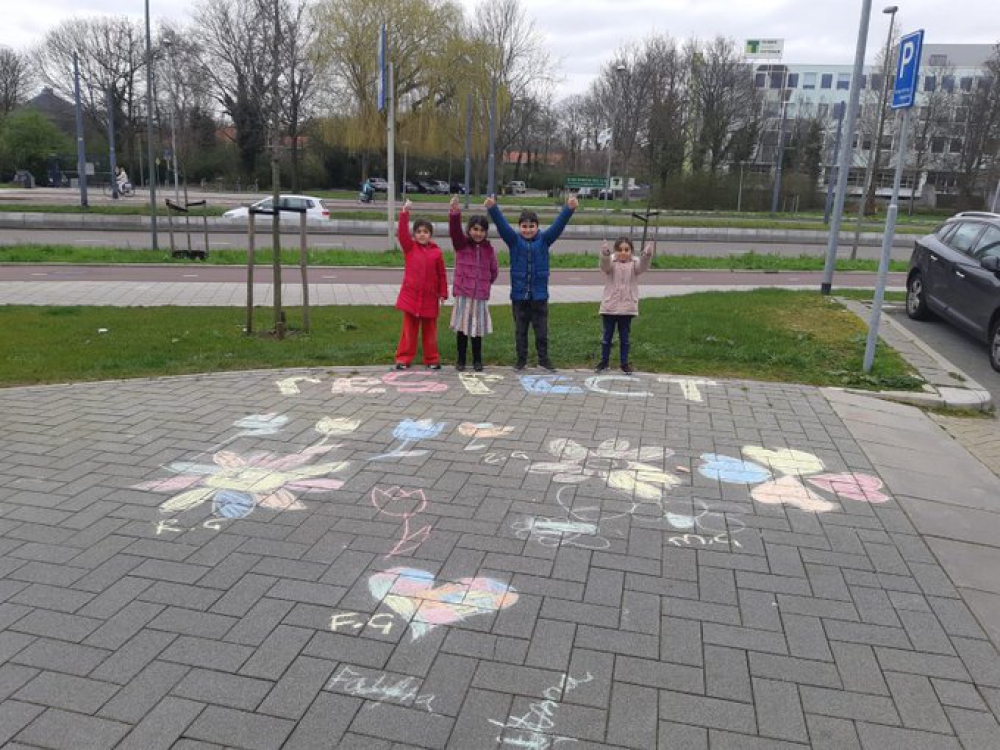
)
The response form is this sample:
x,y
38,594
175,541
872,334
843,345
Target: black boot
x,y
477,353
462,343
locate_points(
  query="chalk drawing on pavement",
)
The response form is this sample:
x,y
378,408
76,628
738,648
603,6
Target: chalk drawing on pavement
x,y
410,431
533,729
381,687
397,502
412,594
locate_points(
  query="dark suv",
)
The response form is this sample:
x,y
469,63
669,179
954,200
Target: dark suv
x,y
955,273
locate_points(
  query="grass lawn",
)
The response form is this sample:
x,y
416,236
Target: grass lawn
x,y
750,261
771,335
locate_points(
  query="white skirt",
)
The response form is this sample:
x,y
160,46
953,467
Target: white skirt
x,y
471,317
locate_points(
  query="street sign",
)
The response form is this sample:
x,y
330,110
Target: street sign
x,y
763,48
904,92
585,181
383,62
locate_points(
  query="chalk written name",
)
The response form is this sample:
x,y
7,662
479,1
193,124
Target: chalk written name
x,y
533,729
396,689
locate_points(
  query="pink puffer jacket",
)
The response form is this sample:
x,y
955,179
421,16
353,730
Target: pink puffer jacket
x,y
475,265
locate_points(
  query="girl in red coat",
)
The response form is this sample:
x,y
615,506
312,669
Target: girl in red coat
x,y
425,286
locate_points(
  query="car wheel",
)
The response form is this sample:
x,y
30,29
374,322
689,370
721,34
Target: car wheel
x,y
995,345
916,305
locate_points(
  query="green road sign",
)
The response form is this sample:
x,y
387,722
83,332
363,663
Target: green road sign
x,y
585,181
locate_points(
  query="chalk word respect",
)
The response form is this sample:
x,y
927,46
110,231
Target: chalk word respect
x,y
481,384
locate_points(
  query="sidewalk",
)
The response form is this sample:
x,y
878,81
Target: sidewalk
x,y
370,559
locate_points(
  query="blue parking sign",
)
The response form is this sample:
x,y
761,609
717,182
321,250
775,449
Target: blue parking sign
x,y
904,93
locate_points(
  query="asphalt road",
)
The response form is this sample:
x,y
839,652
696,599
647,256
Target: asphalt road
x,y
962,350
220,241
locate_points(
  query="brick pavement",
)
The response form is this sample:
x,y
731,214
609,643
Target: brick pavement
x,y
305,559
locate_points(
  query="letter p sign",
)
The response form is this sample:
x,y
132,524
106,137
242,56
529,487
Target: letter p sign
x,y
907,70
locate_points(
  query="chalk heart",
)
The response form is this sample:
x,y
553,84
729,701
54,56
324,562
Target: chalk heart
x,y
411,593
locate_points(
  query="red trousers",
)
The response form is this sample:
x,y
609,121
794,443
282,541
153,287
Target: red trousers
x,y
407,349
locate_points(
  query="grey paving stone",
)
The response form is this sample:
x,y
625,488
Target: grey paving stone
x,y
744,638
806,637
599,667
299,685
890,738
847,705
604,587
716,585
659,674
471,730
727,674
672,735
131,658
257,624
707,712
60,656
162,726
325,722
180,595
580,612
827,733
959,694
56,625
696,610
617,641
731,741
202,652
52,597
14,716
976,730
859,669
229,727
62,730
981,659
802,671
66,691
873,635
917,703
222,689
925,632
399,724
552,643
931,665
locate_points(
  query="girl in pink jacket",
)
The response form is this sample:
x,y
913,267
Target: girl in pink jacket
x,y
475,272
620,302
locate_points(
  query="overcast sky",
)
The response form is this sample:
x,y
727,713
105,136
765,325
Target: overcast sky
x,y
581,35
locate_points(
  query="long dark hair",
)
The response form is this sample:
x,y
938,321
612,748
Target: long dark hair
x,y
624,240
425,224
478,220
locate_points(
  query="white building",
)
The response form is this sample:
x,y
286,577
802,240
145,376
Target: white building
x,y
813,91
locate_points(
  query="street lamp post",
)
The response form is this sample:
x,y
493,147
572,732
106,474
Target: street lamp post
x,y
406,145
620,70
169,44
871,172
886,70
149,131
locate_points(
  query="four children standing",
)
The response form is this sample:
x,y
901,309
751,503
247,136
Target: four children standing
x,y
425,286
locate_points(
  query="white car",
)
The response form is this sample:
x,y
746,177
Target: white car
x,y
315,210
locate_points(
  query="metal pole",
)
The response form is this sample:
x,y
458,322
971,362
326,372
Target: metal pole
x,y
279,312
607,178
996,198
779,159
406,148
173,126
391,157
491,185
890,228
739,194
304,266
149,132
251,251
81,149
869,196
833,166
112,159
844,164
468,147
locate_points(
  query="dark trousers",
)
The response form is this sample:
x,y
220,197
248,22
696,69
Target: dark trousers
x,y
477,348
534,313
624,325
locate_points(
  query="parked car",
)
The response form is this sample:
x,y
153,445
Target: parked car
x,y
955,273
441,187
457,187
586,192
516,187
380,184
315,209
428,186
410,187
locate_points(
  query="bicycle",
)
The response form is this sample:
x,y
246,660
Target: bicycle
x,y
124,191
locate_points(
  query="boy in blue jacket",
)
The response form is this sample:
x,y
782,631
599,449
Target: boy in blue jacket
x,y
529,276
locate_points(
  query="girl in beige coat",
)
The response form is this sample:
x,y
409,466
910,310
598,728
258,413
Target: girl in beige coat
x,y
620,302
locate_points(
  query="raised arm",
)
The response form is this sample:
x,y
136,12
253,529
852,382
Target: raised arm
x,y
551,234
505,230
403,230
442,278
458,238
646,260
605,257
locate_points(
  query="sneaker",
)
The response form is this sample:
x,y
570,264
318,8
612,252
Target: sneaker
x,y
402,366
627,368
460,366
602,367
521,364
546,364
477,366
435,366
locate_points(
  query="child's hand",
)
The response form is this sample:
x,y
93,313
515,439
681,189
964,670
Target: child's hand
x,y
649,249
453,204
605,248
407,205
573,203
490,201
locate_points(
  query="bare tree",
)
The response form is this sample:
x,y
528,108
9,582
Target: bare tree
x,y
14,79
724,101
232,37
980,131
668,111
299,62
112,58
932,121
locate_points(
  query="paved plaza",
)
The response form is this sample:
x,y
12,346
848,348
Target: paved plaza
x,y
375,559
